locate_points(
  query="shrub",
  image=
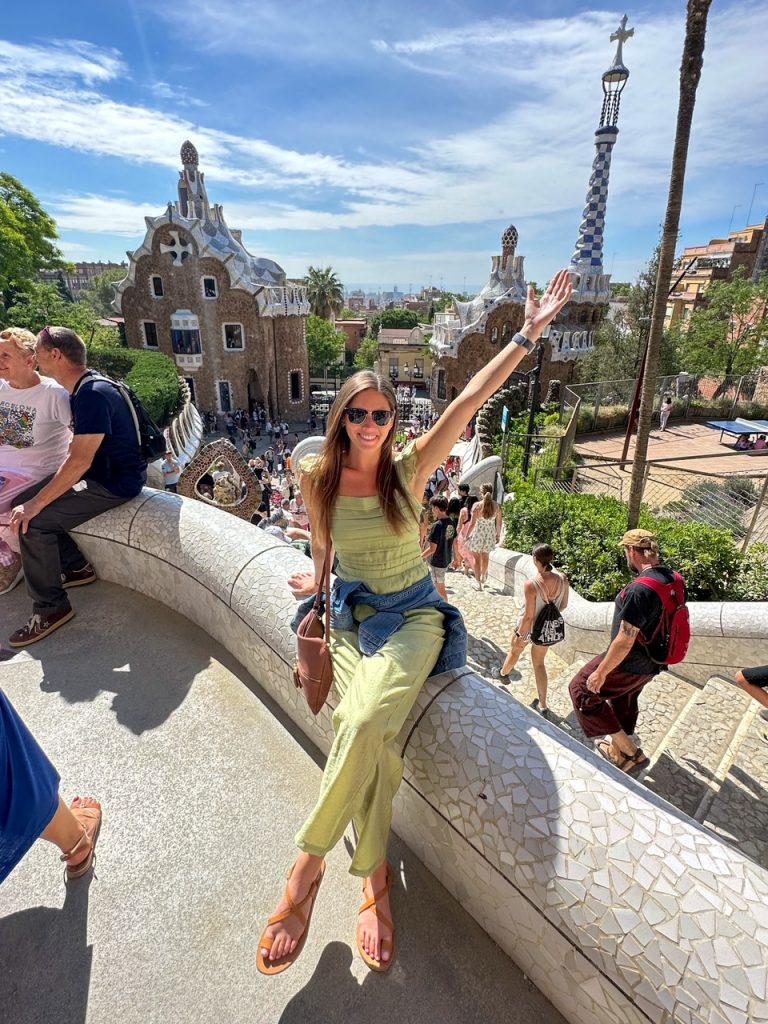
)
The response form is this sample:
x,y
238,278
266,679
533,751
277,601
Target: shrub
x,y
152,376
585,531
751,583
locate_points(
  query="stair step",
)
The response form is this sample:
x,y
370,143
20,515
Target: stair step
x,y
662,702
691,761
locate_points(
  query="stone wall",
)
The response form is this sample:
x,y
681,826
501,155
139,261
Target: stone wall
x,y
620,909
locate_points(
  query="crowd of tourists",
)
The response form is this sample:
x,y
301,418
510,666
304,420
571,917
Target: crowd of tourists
x,y
392,519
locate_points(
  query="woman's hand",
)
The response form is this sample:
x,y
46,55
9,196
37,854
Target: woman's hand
x,y
539,313
302,584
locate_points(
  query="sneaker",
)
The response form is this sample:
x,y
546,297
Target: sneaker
x,y
78,577
10,575
39,626
535,705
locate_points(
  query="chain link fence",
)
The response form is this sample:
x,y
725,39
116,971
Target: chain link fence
x,y
731,501
604,405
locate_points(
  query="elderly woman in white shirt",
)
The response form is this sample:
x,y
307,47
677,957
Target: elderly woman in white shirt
x,y
35,432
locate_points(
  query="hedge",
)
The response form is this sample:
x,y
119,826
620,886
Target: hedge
x,y
585,531
152,376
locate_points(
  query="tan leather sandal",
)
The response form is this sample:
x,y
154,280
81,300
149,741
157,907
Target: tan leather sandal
x,y
83,813
371,904
267,966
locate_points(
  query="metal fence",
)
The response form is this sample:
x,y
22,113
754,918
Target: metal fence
x,y
735,501
605,404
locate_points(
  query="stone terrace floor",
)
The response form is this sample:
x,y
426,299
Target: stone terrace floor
x,y
204,783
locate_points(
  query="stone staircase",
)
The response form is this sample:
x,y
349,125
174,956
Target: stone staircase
x,y
706,748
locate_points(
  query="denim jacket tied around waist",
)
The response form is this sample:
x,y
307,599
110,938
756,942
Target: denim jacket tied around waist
x,y
389,616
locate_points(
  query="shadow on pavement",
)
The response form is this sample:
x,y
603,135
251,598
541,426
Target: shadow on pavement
x,y
45,961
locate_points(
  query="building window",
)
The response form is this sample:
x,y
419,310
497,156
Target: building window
x,y
295,386
210,291
441,384
506,332
157,286
150,333
186,341
234,337
418,369
394,368
494,335
225,396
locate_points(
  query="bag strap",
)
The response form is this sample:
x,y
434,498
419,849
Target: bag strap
x,y
325,587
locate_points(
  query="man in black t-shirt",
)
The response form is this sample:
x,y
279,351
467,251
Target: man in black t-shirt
x,y
605,692
104,468
439,549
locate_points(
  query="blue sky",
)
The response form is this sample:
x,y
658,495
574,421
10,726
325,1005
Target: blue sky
x,y
394,141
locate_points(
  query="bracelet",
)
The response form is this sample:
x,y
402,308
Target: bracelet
x,y
523,342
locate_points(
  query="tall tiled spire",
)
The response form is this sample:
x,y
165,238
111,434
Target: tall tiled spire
x,y
193,198
587,258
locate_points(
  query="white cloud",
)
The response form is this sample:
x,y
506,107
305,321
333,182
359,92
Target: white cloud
x,y
528,155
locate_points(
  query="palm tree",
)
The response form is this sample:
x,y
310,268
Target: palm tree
x,y
690,73
326,292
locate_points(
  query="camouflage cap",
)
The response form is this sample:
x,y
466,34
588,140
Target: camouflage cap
x,y
642,539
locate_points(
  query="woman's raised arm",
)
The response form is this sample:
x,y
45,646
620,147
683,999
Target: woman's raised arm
x,y
434,447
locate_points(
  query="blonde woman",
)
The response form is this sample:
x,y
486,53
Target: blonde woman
x,y
484,533
363,502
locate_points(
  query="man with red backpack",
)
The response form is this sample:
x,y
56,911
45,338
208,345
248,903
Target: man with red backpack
x,y
650,631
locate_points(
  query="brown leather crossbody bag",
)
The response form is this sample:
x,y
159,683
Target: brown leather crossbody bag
x,y
313,671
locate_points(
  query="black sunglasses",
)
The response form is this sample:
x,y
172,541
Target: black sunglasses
x,y
380,417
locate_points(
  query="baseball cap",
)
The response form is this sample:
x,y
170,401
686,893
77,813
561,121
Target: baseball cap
x,y
642,539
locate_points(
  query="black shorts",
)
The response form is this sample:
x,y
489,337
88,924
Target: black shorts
x,y
757,676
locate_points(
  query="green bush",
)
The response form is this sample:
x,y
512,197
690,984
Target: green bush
x,y
152,376
751,583
585,531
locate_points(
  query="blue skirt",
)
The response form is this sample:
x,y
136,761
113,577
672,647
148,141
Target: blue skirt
x,y
29,788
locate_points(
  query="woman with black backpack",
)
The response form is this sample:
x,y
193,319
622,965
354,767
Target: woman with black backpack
x,y
546,596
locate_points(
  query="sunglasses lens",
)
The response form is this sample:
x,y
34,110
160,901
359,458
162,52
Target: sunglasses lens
x,y
356,415
381,417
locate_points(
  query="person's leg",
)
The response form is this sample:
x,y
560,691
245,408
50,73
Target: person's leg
x,y
46,548
516,647
538,654
438,578
758,693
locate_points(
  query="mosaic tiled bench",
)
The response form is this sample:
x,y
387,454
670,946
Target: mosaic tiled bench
x,y
725,635
618,908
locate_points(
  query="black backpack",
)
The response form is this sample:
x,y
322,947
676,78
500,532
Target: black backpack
x,y
151,439
549,626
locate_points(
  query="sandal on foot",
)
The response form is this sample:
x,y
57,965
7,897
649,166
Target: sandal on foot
x,y
629,763
370,904
263,964
84,813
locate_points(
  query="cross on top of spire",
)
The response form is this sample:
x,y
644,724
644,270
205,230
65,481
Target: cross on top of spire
x,y
621,35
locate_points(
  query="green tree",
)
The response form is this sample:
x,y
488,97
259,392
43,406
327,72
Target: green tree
x,y
367,353
326,292
727,335
397,317
690,74
41,304
349,314
27,239
325,345
99,292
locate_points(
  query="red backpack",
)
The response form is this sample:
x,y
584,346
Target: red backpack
x,y
674,628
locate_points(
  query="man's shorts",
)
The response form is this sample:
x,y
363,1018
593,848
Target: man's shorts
x,y
438,573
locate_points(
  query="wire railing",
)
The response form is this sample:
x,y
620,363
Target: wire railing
x,y
735,501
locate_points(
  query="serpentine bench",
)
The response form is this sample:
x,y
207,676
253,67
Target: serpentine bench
x,y
619,908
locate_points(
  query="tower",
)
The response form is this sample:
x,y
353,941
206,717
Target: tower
x,y
193,198
573,330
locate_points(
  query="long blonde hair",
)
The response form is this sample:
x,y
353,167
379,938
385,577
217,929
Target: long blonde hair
x,y
488,507
325,475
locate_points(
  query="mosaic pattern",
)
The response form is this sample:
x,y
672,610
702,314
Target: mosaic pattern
x,y
588,254
201,464
617,907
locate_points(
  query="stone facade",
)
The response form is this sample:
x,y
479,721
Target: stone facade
x,y
234,324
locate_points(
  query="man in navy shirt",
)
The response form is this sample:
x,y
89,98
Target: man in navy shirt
x,y
104,468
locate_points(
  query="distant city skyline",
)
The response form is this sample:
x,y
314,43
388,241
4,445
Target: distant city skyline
x,y
391,143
